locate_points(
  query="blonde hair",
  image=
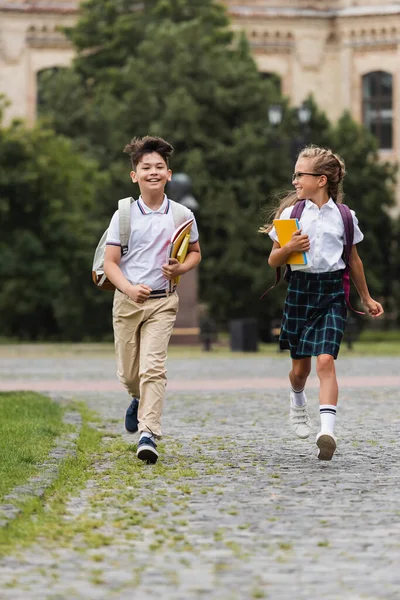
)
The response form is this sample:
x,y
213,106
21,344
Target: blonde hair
x,y
325,162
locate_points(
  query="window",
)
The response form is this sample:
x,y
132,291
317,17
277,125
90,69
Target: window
x,y
43,79
273,78
378,106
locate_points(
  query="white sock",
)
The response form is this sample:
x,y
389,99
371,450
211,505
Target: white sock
x,y
146,434
298,398
327,413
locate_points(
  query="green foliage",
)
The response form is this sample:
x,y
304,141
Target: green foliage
x,y
184,78
175,69
369,189
47,207
29,426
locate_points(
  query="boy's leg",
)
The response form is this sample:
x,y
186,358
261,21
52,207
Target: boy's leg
x,y
155,334
298,414
328,397
127,320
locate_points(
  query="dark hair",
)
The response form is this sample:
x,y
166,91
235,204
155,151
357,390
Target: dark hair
x,y
139,147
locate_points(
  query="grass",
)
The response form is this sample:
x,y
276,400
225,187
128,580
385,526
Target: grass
x,y
44,516
29,425
115,479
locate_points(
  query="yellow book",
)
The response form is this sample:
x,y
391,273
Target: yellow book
x,y
181,255
284,230
178,247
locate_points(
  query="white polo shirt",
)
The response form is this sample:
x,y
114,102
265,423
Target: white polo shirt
x,y
151,232
324,226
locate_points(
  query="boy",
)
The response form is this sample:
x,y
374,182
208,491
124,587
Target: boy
x,y
143,313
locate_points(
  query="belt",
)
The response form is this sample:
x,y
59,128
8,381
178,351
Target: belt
x,y
158,294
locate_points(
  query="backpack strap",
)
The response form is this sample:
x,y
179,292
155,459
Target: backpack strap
x,y
296,213
348,231
347,246
180,213
297,210
124,213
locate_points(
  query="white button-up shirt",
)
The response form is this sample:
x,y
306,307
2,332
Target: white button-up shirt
x,y
151,232
324,226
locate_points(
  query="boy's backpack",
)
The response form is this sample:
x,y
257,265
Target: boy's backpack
x,y
346,215
180,214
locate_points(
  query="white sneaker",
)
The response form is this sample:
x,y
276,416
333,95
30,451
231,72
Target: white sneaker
x,y
326,443
299,420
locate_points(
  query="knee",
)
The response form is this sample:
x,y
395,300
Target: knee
x,y
301,372
325,365
153,374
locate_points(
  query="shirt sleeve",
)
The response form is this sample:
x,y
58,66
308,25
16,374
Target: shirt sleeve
x,y
358,235
113,238
194,232
284,215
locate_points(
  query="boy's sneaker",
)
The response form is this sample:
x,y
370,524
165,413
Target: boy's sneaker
x,y
147,450
326,443
131,417
299,420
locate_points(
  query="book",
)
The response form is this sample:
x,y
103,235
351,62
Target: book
x,y
178,247
284,230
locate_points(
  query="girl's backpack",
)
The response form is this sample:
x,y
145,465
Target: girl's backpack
x,y
344,210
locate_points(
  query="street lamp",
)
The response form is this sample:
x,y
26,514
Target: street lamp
x,y
304,114
275,114
180,190
186,330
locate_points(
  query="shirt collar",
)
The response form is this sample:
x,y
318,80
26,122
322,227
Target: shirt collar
x,y
145,210
330,204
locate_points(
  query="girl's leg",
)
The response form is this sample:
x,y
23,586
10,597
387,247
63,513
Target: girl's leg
x,y
328,397
298,376
298,415
328,391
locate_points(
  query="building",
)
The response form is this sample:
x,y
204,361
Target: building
x,y
345,52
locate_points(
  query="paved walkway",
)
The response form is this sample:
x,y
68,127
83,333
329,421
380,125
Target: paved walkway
x,y
236,508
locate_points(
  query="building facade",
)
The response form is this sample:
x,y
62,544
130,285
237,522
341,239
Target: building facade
x,y
345,52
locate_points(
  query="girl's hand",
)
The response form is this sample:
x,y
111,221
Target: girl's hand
x,y
172,270
374,308
300,242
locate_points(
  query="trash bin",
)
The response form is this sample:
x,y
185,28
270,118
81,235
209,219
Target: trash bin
x,y
244,335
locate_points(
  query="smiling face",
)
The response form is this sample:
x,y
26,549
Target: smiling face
x,y
307,181
152,173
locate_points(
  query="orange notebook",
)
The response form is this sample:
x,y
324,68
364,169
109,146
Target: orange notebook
x,y
284,230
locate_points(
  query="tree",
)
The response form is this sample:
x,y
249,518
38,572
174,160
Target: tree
x,y
47,208
174,68
369,187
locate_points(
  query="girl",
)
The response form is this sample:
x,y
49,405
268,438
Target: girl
x,y
315,308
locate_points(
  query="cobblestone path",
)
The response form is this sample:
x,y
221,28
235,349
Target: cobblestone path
x,y
236,508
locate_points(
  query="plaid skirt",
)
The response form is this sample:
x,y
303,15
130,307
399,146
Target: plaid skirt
x,y
315,314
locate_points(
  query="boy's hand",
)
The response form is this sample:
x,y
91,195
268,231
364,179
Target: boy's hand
x,y
173,269
374,308
300,242
139,293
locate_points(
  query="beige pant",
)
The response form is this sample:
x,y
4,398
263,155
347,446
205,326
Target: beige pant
x,y
142,333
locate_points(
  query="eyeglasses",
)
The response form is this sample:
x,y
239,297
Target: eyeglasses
x,y
298,175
